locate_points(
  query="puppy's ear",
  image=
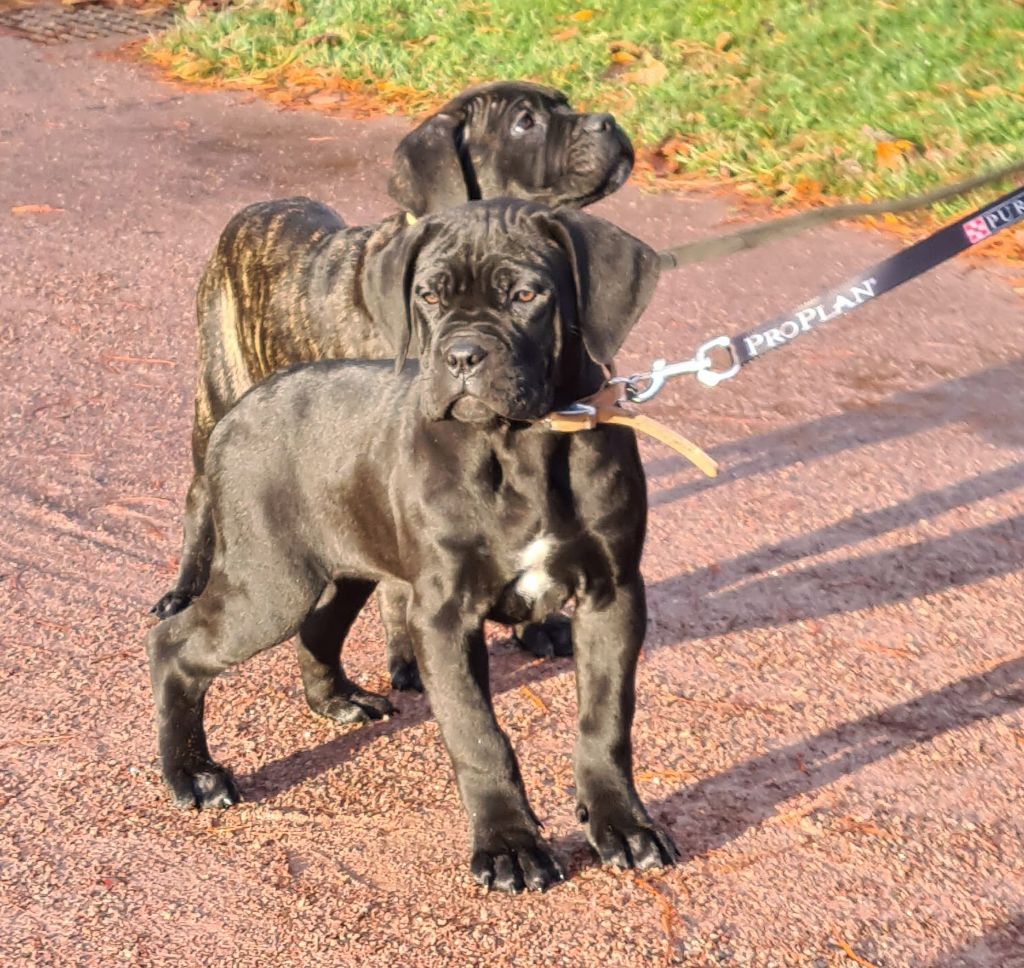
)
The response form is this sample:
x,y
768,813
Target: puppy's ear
x,y
387,288
429,171
614,273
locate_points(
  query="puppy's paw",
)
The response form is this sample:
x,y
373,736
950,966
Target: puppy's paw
x,y
405,675
171,603
627,839
354,706
513,862
549,639
203,788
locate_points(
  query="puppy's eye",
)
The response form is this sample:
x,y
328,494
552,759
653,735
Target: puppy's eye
x,y
523,123
524,295
431,298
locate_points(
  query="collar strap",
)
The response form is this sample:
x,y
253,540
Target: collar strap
x,y
605,407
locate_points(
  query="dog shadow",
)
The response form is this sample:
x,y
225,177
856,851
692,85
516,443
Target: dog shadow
x,y
990,402
746,592
1001,947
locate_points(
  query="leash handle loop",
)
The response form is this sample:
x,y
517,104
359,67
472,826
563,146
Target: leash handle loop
x,y
707,374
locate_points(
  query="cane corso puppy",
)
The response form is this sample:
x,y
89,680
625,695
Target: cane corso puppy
x,y
332,477
286,282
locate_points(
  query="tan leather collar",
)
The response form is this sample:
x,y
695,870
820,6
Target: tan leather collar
x,y
608,409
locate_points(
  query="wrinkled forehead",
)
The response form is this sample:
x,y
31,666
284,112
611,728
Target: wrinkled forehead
x,y
502,96
476,240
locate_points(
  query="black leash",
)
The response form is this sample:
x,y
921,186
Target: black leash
x,y
746,347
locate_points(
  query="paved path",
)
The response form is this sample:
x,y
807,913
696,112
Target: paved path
x,y
830,699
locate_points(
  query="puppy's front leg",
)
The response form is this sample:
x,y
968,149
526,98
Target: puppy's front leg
x,y
608,636
508,853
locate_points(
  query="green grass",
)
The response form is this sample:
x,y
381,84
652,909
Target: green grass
x,y
783,109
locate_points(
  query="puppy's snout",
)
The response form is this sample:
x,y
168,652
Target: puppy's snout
x,y
598,123
463,357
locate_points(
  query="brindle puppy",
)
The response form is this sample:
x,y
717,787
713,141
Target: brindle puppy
x,y
285,283
334,476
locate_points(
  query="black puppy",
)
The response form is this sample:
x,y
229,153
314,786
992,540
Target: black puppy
x,y
285,283
332,477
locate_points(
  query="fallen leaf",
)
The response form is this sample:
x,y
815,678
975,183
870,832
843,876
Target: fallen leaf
x,y
667,161
581,16
623,57
324,99
109,358
652,72
807,189
877,646
422,41
566,34
851,954
892,154
529,694
723,41
34,210
990,90
325,38
625,45
192,68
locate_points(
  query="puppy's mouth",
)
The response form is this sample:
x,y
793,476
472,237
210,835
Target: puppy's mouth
x,y
612,182
471,410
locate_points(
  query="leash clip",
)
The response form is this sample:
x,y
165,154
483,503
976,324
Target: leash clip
x,y
642,387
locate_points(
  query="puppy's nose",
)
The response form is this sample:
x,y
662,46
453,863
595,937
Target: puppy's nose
x,y
463,357
598,123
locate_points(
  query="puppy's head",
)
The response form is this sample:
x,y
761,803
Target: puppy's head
x,y
509,139
513,309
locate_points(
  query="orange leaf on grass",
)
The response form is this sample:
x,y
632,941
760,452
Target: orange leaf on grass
x,y
650,73
567,34
807,189
581,16
892,154
192,68
626,46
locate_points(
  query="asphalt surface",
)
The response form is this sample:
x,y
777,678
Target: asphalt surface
x,y
830,699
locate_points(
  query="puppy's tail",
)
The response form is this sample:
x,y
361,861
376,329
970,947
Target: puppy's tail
x,y
757,235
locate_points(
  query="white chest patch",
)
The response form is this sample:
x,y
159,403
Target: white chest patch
x,y
534,579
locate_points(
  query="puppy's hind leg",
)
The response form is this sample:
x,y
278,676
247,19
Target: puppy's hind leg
x,y
224,626
329,692
196,552
393,600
